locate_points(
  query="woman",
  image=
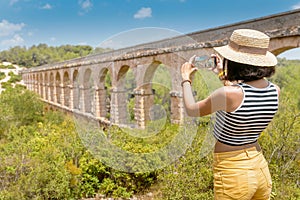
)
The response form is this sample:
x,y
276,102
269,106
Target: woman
x,y
243,109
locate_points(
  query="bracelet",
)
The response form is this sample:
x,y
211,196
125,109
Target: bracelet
x,y
187,80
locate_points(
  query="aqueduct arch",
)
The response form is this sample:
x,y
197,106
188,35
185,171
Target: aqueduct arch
x,y
280,45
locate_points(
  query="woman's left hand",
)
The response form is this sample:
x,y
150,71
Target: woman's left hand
x,y
219,64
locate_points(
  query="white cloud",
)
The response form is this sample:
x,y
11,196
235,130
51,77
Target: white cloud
x,y
296,6
52,39
82,43
47,7
16,40
7,28
12,2
85,5
143,13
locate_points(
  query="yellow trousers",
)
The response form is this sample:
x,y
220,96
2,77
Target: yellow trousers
x,y
242,175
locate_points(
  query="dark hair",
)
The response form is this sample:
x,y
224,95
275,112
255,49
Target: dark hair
x,y
244,72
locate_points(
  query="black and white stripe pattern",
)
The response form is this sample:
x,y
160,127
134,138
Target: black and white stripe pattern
x,y
244,125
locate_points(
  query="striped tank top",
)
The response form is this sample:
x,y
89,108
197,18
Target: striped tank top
x,y
244,125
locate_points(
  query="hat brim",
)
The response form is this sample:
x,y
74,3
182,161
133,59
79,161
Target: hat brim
x,y
263,60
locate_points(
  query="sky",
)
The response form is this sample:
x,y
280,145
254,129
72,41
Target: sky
x,y
121,23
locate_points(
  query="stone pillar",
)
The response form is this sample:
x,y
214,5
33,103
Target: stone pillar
x,y
81,106
66,95
44,91
36,87
39,89
118,106
177,107
47,92
76,96
31,86
144,99
54,93
58,90
62,94
27,83
71,97
97,102
51,93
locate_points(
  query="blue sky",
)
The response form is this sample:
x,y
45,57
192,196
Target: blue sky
x,y
98,22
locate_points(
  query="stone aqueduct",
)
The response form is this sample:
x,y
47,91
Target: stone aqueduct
x,y
78,85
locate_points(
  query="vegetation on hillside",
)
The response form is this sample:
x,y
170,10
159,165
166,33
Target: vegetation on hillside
x,y
43,54
42,156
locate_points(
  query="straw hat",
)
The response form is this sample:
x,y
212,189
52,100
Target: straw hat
x,y
248,47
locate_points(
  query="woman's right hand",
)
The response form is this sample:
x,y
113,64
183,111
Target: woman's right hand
x,y
188,69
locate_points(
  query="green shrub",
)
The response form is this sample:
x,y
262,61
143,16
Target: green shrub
x,y
25,106
6,85
191,176
14,78
7,67
2,75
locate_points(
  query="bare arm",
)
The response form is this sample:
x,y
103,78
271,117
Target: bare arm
x,y
226,98
216,101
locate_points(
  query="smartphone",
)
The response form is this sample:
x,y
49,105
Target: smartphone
x,y
205,62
